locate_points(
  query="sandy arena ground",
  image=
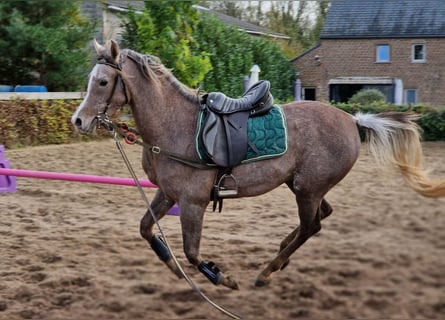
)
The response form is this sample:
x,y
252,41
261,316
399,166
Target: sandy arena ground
x,y
72,250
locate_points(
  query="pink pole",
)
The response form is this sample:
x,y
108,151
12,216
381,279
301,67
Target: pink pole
x,y
74,177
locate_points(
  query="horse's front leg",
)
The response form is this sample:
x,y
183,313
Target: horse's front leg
x,y
192,217
160,206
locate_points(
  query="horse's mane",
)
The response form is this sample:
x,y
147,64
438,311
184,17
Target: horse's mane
x,y
153,69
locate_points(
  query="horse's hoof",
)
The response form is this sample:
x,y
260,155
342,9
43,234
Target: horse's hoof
x,y
174,268
262,281
229,283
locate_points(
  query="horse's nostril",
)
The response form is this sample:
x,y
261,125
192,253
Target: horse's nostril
x,y
78,123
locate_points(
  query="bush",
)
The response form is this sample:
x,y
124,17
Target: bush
x,y
233,53
367,96
432,121
433,124
36,122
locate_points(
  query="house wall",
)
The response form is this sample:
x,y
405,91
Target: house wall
x,y
357,58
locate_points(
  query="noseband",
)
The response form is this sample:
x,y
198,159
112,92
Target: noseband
x,y
117,80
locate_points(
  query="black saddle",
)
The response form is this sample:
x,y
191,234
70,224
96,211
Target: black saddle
x,y
224,130
257,99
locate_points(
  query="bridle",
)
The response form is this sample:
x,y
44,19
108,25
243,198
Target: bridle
x,y
117,80
103,120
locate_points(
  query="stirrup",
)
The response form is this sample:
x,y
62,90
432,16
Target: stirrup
x,y
224,192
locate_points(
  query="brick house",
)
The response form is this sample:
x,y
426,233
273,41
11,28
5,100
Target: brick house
x,y
396,46
108,16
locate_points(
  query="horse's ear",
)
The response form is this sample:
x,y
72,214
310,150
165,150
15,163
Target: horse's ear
x,y
97,46
114,49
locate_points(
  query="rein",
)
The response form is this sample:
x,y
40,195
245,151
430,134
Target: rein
x,y
189,280
115,129
130,137
103,119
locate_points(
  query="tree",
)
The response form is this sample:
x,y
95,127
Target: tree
x,y
178,35
231,8
323,8
165,29
44,42
232,54
301,20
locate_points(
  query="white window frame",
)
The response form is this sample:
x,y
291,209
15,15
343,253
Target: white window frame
x,y
413,51
377,56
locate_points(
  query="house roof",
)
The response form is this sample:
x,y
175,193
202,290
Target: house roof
x,y
226,19
385,19
243,25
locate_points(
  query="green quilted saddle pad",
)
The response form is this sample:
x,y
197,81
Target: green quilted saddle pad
x,y
267,136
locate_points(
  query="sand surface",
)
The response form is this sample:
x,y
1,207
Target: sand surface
x,y
72,250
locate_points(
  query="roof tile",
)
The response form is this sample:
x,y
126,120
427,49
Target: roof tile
x,y
385,19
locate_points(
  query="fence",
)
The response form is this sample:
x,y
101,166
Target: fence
x,y
42,95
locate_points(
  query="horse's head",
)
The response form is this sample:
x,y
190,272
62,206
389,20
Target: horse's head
x,y
106,91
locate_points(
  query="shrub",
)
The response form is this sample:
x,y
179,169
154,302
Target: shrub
x,y
367,96
36,122
433,124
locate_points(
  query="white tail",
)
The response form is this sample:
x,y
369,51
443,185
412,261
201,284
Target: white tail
x,y
394,139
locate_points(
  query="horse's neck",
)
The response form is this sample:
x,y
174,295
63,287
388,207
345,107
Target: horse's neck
x,y
165,117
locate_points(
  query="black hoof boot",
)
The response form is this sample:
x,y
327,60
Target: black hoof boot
x,y
211,272
160,248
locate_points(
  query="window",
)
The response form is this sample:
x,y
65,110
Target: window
x,y
410,96
418,53
309,94
383,53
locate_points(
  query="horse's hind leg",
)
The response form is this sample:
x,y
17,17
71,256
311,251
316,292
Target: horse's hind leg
x,y
324,209
160,206
309,214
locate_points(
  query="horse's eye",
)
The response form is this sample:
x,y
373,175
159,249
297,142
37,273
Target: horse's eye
x,y
103,82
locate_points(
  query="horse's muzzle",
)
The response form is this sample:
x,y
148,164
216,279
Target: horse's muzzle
x,y
84,126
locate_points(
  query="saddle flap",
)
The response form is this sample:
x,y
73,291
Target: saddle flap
x,y
212,132
224,138
224,125
266,137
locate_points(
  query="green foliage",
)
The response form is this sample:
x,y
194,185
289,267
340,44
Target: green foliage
x,y
165,29
35,122
367,96
232,54
301,20
201,50
432,121
44,42
230,57
275,67
433,124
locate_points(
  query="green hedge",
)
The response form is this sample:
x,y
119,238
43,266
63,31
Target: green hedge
x,y
37,122
432,121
